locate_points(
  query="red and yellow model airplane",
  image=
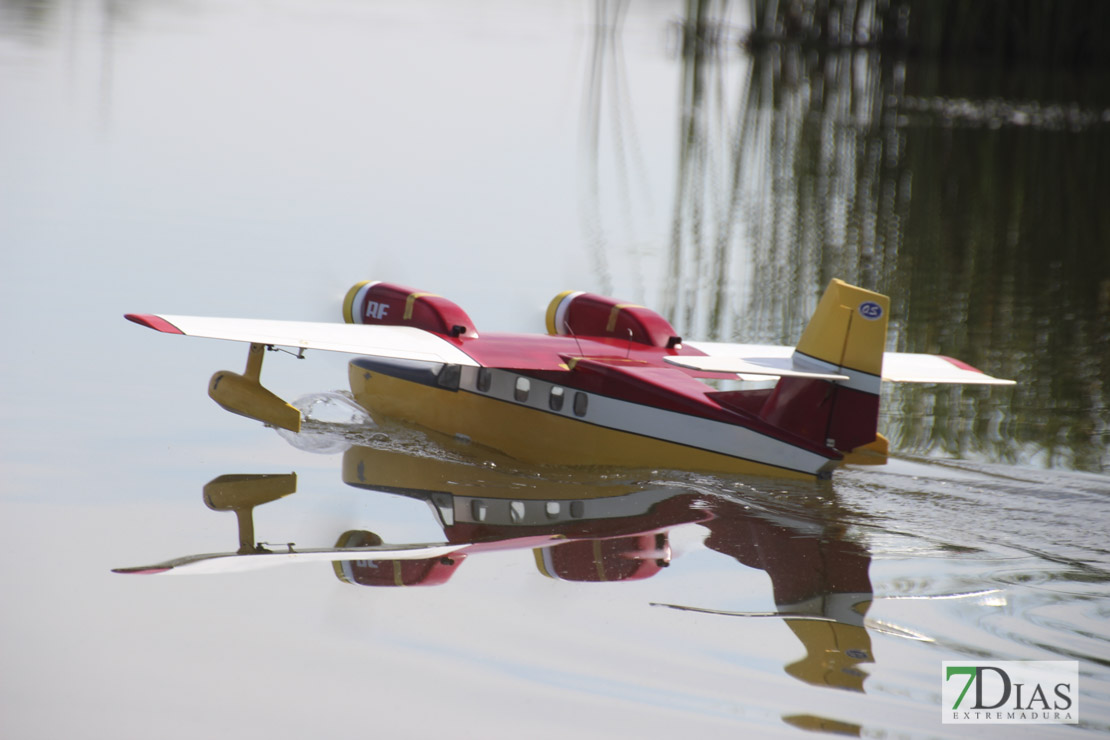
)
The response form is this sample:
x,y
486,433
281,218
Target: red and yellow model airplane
x,y
611,383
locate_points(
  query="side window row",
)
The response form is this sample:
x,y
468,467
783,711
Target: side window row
x,y
523,387
558,397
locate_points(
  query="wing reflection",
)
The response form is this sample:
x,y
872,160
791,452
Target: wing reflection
x,y
581,527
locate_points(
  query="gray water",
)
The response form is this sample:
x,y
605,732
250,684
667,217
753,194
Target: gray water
x,y
257,159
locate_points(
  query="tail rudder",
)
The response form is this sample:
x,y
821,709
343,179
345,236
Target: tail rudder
x,y
848,330
846,335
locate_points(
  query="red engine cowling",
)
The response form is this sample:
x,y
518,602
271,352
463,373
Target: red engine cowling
x,y
372,302
589,315
422,572
629,558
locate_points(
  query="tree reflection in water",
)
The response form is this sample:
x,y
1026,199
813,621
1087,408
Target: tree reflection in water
x,y
968,189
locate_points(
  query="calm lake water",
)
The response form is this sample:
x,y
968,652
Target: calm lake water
x,y
256,159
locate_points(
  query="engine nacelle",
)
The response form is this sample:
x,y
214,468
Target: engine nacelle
x,y
372,302
589,315
422,572
629,558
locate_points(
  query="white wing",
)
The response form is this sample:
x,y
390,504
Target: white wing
x,y
402,342
230,562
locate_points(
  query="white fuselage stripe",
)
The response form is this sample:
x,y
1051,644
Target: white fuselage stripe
x,y
634,418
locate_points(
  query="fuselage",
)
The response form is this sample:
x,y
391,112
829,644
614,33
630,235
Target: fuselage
x,y
553,399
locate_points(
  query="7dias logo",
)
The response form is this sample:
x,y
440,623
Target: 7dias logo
x,y
1010,692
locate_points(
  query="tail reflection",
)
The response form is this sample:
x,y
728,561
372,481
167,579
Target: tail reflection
x,y
820,579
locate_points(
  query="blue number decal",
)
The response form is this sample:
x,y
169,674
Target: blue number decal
x,y
870,310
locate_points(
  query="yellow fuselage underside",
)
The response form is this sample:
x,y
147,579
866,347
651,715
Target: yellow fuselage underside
x,y
534,436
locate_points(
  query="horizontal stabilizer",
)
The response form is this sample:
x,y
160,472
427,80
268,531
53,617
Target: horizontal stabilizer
x,y
402,342
898,367
762,366
906,367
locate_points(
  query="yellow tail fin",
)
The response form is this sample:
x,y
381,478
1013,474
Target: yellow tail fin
x,y
847,335
848,329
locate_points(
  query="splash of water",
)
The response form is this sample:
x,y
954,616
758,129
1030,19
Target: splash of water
x,y
330,423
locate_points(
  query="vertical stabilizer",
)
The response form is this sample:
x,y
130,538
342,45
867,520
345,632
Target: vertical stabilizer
x,y
846,335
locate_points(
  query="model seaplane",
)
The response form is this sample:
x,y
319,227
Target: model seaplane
x,y
611,383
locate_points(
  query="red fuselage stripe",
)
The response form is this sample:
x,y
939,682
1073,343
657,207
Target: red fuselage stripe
x,y
546,357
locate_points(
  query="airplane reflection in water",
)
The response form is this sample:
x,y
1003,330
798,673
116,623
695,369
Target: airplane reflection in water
x,y
582,530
